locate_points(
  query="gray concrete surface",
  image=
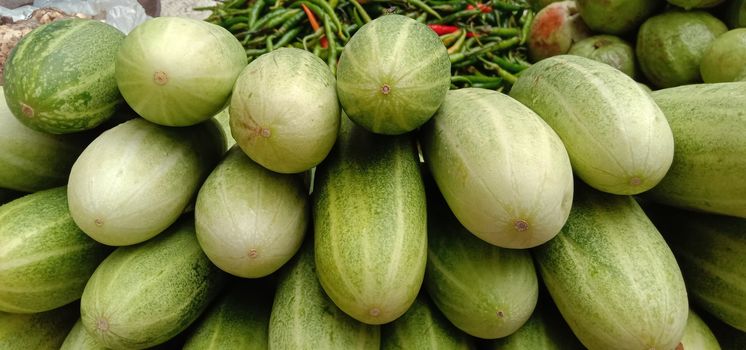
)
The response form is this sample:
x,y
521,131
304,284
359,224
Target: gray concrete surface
x,y
183,8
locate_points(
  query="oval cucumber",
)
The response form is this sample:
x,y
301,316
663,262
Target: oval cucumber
x,y
45,259
503,171
303,316
613,277
79,339
617,137
697,335
370,224
39,331
143,295
134,180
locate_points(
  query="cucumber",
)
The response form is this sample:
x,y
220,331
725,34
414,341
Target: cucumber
x,y
39,331
423,326
728,337
250,220
303,316
697,335
503,171
617,137
45,259
79,339
32,160
613,277
708,166
134,180
238,319
486,291
710,251
144,295
370,224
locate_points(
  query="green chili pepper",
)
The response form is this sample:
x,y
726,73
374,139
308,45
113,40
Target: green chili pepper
x,y
261,22
331,60
361,11
255,9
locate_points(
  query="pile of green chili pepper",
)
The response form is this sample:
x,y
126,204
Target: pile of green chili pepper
x,y
485,40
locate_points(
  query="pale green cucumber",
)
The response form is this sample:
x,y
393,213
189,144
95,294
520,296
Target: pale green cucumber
x,y
486,291
134,180
303,316
238,319
617,137
613,277
223,118
45,259
370,224
250,220
79,339
708,123
423,326
697,335
503,171
39,331
143,295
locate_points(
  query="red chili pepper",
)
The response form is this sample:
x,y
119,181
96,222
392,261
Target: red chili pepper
x,y
442,29
482,7
315,25
472,34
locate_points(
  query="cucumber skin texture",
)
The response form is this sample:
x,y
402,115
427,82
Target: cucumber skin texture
x,y
709,249
134,180
78,339
45,259
613,277
238,319
708,165
303,316
526,165
148,293
39,331
250,220
370,224
423,326
486,291
33,160
64,71
613,119
697,335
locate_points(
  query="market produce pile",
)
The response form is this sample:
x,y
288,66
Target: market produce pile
x,y
379,174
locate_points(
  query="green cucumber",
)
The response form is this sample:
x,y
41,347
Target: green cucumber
x,y
238,319
503,171
79,339
144,295
617,137
708,165
370,224
134,180
250,220
613,277
39,331
423,326
303,316
45,259
710,251
486,291
697,335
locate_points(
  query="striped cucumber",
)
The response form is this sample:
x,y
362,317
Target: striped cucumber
x,y
708,125
143,295
370,224
39,331
617,137
613,277
503,171
486,291
134,180
250,220
423,326
45,259
238,319
303,316
79,339
697,335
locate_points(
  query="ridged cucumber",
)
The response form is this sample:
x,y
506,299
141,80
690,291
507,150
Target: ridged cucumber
x,y
710,250
303,316
697,335
613,277
39,331
143,295
423,326
250,220
503,171
79,339
708,125
134,180
370,224
486,291
238,319
45,259
617,138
